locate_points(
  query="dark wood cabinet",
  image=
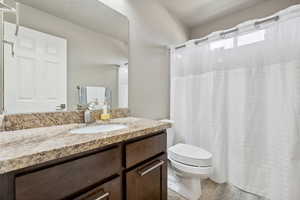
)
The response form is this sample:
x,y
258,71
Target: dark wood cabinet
x,y
132,170
141,150
60,181
149,181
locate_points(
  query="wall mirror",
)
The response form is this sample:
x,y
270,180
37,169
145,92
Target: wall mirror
x,y
52,48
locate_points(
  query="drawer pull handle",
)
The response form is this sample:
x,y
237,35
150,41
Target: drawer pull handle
x,y
103,196
150,169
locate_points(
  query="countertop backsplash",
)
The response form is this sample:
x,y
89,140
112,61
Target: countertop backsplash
x,y
14,122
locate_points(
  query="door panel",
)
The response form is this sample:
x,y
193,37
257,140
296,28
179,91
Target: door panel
x,y
35,78
26,68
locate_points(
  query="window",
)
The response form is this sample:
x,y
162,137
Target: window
x,y
222,44
251,38
242,40
179,56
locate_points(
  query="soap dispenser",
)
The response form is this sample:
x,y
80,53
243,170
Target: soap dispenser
x,y
105,113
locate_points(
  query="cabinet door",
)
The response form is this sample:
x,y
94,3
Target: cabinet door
x,y
149,181
108,191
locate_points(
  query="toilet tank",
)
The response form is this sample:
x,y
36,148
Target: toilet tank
x,y
170,133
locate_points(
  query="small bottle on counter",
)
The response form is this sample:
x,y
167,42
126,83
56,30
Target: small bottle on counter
x,y
105,114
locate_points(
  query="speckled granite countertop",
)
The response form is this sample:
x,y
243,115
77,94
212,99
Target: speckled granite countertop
x,y
28,147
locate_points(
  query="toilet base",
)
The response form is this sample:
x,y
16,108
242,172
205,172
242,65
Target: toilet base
x,y
188,187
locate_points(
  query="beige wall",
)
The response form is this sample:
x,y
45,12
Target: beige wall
x,y
1,65
151,29
260,10
90,55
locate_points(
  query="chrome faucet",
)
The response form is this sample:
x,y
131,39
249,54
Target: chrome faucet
x,y
88,118
108,99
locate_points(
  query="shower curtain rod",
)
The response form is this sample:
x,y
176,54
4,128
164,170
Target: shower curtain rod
x,y
275,18
180,47
229,31
224,33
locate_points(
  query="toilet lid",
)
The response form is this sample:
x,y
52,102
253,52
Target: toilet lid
x,y
190,155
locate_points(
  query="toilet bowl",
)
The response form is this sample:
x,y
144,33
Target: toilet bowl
x,y
188,166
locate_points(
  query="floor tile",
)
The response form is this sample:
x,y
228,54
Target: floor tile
x,y
214,191
174,196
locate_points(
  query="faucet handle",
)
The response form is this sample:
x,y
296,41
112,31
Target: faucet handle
x,y
91,105
61,107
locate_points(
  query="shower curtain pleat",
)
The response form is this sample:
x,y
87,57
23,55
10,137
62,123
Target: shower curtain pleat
x,y
242,103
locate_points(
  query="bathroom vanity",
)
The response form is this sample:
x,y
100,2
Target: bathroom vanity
x,y
52,163
65,66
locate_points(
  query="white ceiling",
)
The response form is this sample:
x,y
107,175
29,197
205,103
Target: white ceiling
x,y
90,14
196,12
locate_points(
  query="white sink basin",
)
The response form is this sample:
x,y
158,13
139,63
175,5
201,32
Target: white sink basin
x,y
98,129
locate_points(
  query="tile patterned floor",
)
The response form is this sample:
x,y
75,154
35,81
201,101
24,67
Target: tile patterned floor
x,y
213,191
174,196
209,191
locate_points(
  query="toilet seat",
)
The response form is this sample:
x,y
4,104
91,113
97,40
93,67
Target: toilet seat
x,y
190,155
187,169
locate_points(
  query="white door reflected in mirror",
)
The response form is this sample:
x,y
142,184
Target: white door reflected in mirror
x,y
35,78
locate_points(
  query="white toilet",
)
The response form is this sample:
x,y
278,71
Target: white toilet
x,y
188,165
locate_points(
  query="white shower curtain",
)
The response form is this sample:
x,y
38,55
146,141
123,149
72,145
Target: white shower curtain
x,y
238,97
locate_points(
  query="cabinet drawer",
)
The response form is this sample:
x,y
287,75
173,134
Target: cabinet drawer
x,y
110,190
141,150
62,180
148,181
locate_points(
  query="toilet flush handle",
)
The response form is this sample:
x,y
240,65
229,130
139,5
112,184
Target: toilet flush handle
x,y
146,170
